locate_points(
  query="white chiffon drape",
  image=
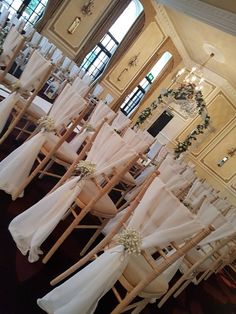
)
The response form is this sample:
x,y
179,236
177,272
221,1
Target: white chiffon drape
x,y
32,227
160,218
30,79
16,167
100,112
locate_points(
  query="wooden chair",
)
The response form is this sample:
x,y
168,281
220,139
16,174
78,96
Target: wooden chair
x,y
12,45
154,269
93,198
30,82
194,269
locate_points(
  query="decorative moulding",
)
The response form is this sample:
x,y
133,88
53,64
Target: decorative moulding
x,y
219,18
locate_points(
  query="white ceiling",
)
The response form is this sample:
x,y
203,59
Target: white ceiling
x,y
197,37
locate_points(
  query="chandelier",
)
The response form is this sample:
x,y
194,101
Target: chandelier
x,y
194,78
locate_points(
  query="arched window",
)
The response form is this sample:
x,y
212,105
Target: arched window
x,y
133,99
96,60
30,10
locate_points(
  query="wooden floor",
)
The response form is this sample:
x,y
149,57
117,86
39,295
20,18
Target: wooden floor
x,y
22,283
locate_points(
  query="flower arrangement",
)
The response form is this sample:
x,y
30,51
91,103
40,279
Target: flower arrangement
x,y
131,240
88,127
46,124
185,93
85,168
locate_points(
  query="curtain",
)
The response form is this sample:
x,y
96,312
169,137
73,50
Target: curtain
x,y
51,7
102,27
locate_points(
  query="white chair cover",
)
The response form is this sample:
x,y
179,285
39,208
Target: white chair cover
x,y
134,140
32,227
146,136
160,218
121,121
13,39
80,86
6,106
35,40
24,156
100,112
4,16
31,78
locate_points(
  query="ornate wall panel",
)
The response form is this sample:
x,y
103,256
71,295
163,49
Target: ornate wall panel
x,y
222,112
143,48
217,152
57,32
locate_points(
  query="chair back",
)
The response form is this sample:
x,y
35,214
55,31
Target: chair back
x,y
135,141
100,112
80,86
36,72
121,121
3,17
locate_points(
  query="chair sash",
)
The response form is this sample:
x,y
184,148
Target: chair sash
x,y
135,141
12,41
31,228
24,156
159,218
121,121
100,112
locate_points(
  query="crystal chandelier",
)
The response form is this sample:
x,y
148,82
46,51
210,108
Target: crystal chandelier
x,y
194,78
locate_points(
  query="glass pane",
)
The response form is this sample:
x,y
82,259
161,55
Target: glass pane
x,y
161,63
122,25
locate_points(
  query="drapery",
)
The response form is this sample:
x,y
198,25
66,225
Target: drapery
x,y
13,39
160,218
135,140
31,78
100,112
6,106
121,121
15,168
32,227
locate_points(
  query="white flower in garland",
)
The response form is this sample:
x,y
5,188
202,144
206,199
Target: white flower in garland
x,y
131,240
46,124
85,168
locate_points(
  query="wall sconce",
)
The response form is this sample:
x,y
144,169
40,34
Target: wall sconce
x,y
87,8
231,152
72,28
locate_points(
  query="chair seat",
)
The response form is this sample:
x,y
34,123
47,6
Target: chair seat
x,y
66,153
9,79
35,111
128,179
104,207
136,270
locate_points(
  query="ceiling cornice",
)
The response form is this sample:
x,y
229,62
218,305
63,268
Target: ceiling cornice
x,y
169,29
209,14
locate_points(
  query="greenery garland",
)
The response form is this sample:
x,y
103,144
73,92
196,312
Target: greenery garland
x,y
186,92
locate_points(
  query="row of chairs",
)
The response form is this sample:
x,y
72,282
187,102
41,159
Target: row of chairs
x,y
154,222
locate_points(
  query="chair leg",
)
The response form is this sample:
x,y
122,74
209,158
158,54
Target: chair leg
x,y
94,237
181,289
22,130
66,233
49,165
141,306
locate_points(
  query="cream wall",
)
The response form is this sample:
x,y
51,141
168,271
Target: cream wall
x,y
56,29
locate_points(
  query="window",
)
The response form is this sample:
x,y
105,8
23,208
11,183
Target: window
x,y
96,60
133,99
31,10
